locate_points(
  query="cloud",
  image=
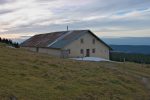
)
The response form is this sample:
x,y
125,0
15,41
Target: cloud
x,y
5,1
39,16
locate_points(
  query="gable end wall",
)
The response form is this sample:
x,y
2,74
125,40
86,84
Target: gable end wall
x,y
75,47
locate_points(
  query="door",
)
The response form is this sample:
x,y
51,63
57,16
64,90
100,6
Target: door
x,y
87,52
37,49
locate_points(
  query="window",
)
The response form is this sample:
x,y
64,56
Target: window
x,y
82,41
82,51
93,51
93,41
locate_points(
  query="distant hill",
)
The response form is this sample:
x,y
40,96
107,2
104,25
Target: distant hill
x,y
140,49
127,40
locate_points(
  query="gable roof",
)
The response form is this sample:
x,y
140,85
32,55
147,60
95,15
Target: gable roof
x,y
57,39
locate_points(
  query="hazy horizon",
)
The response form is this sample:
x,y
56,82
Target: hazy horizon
x,y
110,40
114,19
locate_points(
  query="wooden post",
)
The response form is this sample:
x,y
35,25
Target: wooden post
x,y
124,59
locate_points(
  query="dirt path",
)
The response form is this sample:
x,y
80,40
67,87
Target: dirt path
x,y
146,82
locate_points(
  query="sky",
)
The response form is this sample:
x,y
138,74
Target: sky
x,y
20,19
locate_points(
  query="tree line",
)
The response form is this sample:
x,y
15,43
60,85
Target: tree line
x,y
9,42
130,57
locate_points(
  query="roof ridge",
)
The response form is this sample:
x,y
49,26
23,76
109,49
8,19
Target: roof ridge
x,y
60,32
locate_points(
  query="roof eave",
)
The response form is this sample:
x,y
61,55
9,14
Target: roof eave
x,y
41,47
100,40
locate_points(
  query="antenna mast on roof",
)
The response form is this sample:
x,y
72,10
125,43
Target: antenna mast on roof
x,y
67,28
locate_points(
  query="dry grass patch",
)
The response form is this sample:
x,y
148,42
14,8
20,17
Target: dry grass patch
x,y
30,76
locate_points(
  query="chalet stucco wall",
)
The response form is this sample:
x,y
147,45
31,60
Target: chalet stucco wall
x,y
49,51
53,52
100,49
30,48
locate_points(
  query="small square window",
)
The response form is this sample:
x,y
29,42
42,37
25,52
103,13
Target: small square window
x,y
93,50
82,51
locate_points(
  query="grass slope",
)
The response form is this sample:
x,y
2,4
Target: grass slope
x,y
30,76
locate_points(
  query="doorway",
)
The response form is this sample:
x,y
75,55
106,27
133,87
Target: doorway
x,y
37,49
87,52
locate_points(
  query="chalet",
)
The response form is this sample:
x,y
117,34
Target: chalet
x,y
76,43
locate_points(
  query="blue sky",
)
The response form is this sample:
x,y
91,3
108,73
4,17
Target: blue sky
x,y
20,19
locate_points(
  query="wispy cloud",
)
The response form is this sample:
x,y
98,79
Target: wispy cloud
x,y
35,16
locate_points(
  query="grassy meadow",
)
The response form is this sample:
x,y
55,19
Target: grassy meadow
x,y
26,75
